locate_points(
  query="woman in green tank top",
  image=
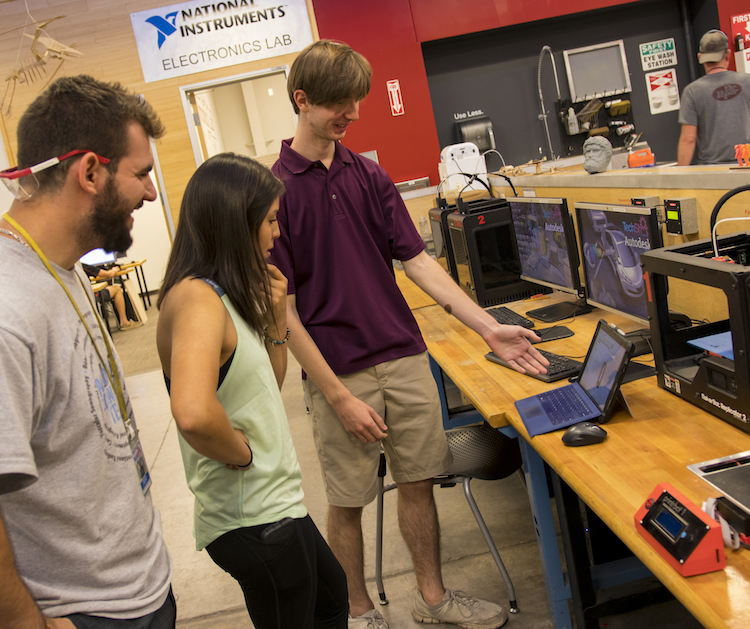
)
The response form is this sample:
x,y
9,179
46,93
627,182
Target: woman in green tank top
x,y
221,339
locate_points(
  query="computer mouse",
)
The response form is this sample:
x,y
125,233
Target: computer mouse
x,y
584,434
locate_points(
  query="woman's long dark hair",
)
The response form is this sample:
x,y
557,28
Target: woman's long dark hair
x,y
225,203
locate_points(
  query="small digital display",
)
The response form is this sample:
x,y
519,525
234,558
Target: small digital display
x,y
673,215
669,523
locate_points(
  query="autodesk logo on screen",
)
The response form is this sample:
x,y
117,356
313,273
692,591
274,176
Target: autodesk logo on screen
x,y
165,25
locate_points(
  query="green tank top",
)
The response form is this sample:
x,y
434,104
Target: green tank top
x,y
271,488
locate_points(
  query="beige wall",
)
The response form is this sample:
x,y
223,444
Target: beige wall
x,y
103,32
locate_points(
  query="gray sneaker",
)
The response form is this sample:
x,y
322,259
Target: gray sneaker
x,y
372,619
458,608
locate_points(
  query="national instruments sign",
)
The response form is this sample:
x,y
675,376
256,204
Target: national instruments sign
x,y
195,36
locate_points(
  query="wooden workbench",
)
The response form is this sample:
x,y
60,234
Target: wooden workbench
x,y
664,436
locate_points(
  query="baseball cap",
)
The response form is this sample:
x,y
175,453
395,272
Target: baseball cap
x,y
713,46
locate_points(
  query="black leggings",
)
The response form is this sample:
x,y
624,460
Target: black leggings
x,y
293,584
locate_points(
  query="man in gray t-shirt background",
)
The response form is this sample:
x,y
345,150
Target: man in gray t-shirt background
x,y
715,109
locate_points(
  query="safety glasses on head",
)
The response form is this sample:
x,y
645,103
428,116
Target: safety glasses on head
x,y
12,176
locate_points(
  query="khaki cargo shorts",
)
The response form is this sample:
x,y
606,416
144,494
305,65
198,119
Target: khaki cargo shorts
x,y
404,394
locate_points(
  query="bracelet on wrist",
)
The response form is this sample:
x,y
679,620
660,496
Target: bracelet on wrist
x,y
251,458
274,341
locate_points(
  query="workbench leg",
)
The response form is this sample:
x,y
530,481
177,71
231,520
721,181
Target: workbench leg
x,y
576,555
558,592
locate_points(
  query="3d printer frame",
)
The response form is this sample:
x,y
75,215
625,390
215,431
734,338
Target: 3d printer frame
x,y
712,382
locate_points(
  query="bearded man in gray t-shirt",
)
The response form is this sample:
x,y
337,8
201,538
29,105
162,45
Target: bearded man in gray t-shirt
x,y
80,540
715,109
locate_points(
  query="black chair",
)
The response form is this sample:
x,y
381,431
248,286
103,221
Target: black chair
x,y
479,451
106,305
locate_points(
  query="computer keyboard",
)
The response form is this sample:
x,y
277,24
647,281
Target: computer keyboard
x,y
559,366
563,404
506,316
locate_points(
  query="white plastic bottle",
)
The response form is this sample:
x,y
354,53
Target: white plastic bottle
x,y
572,122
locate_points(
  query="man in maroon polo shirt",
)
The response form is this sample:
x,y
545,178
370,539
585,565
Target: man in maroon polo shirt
x,y
342,222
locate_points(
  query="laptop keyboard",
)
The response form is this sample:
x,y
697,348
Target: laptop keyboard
x,y
506,316
563,404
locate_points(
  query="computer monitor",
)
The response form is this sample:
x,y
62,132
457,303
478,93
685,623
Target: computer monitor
x,y
546,242
612,238
485,255
597,71
99,257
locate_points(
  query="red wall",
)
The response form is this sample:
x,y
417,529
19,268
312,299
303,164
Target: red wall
x,y
383,31
438,19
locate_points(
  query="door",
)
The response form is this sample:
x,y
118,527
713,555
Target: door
x,y
248,115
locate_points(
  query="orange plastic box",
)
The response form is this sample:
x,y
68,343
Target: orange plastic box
x,y
637,159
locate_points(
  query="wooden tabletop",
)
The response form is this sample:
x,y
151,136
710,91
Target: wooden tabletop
x,y
129,266
492,388
415,296
664,436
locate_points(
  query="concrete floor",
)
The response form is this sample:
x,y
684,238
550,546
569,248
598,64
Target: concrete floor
x,y
208,598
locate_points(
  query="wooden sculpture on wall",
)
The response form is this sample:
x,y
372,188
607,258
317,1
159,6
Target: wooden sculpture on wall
x,y
33,69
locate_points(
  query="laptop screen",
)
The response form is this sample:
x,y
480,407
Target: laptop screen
x,y
602,366
97,257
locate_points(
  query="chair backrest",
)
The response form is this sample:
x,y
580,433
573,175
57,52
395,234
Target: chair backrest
x,y
482,452
452,417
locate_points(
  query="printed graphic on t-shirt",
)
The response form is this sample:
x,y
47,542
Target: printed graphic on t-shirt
x,y
105,408
727,92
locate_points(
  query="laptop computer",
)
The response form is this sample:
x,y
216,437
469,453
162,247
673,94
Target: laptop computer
x,y
592,397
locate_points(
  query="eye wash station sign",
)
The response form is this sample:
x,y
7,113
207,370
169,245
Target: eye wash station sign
x,y
195,36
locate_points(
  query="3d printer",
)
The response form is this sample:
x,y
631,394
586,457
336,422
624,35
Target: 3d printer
x,y
704,362
485,255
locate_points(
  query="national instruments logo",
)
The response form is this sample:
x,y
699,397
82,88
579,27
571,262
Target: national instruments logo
x,y
165,25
